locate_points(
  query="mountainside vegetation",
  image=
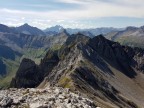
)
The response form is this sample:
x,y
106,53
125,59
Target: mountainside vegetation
x,y
16,46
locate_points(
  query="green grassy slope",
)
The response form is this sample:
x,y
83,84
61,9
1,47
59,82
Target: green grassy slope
x,y
11,67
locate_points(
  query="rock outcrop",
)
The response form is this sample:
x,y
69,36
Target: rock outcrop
x,y
28,75
43,98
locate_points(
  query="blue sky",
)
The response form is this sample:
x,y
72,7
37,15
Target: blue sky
x,y
72,13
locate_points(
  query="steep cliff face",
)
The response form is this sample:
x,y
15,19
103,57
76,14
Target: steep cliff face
x,y
49,62
123,56
115,54
28,75
108,73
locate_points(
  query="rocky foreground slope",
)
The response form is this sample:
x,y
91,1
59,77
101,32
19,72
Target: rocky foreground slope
x,y
104,71
55,97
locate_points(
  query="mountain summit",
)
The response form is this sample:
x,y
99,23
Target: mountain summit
x,y
56,29
27,29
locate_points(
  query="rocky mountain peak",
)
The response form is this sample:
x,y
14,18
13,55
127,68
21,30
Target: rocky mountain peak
x,y
56,29
130,28
58,26
99,42
99,38
76,38
26,25
63,32
30,30
27,75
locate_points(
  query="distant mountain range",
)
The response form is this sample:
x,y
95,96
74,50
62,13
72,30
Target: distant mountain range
x,y
56,29
29,30
131,36
88,32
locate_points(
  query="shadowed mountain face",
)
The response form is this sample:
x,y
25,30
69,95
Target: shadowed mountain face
x,y
6,53
108,73
6,29
28,74
115,54
3,68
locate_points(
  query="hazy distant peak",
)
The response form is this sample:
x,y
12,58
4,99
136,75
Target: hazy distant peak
x,y
25,25
27,29
142,27
56,28
63,31
131,28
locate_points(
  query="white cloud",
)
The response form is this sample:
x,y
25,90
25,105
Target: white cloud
x,y
91,9
130,2
72,1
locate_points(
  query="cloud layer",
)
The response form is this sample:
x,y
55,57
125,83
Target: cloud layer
x,y
47,12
